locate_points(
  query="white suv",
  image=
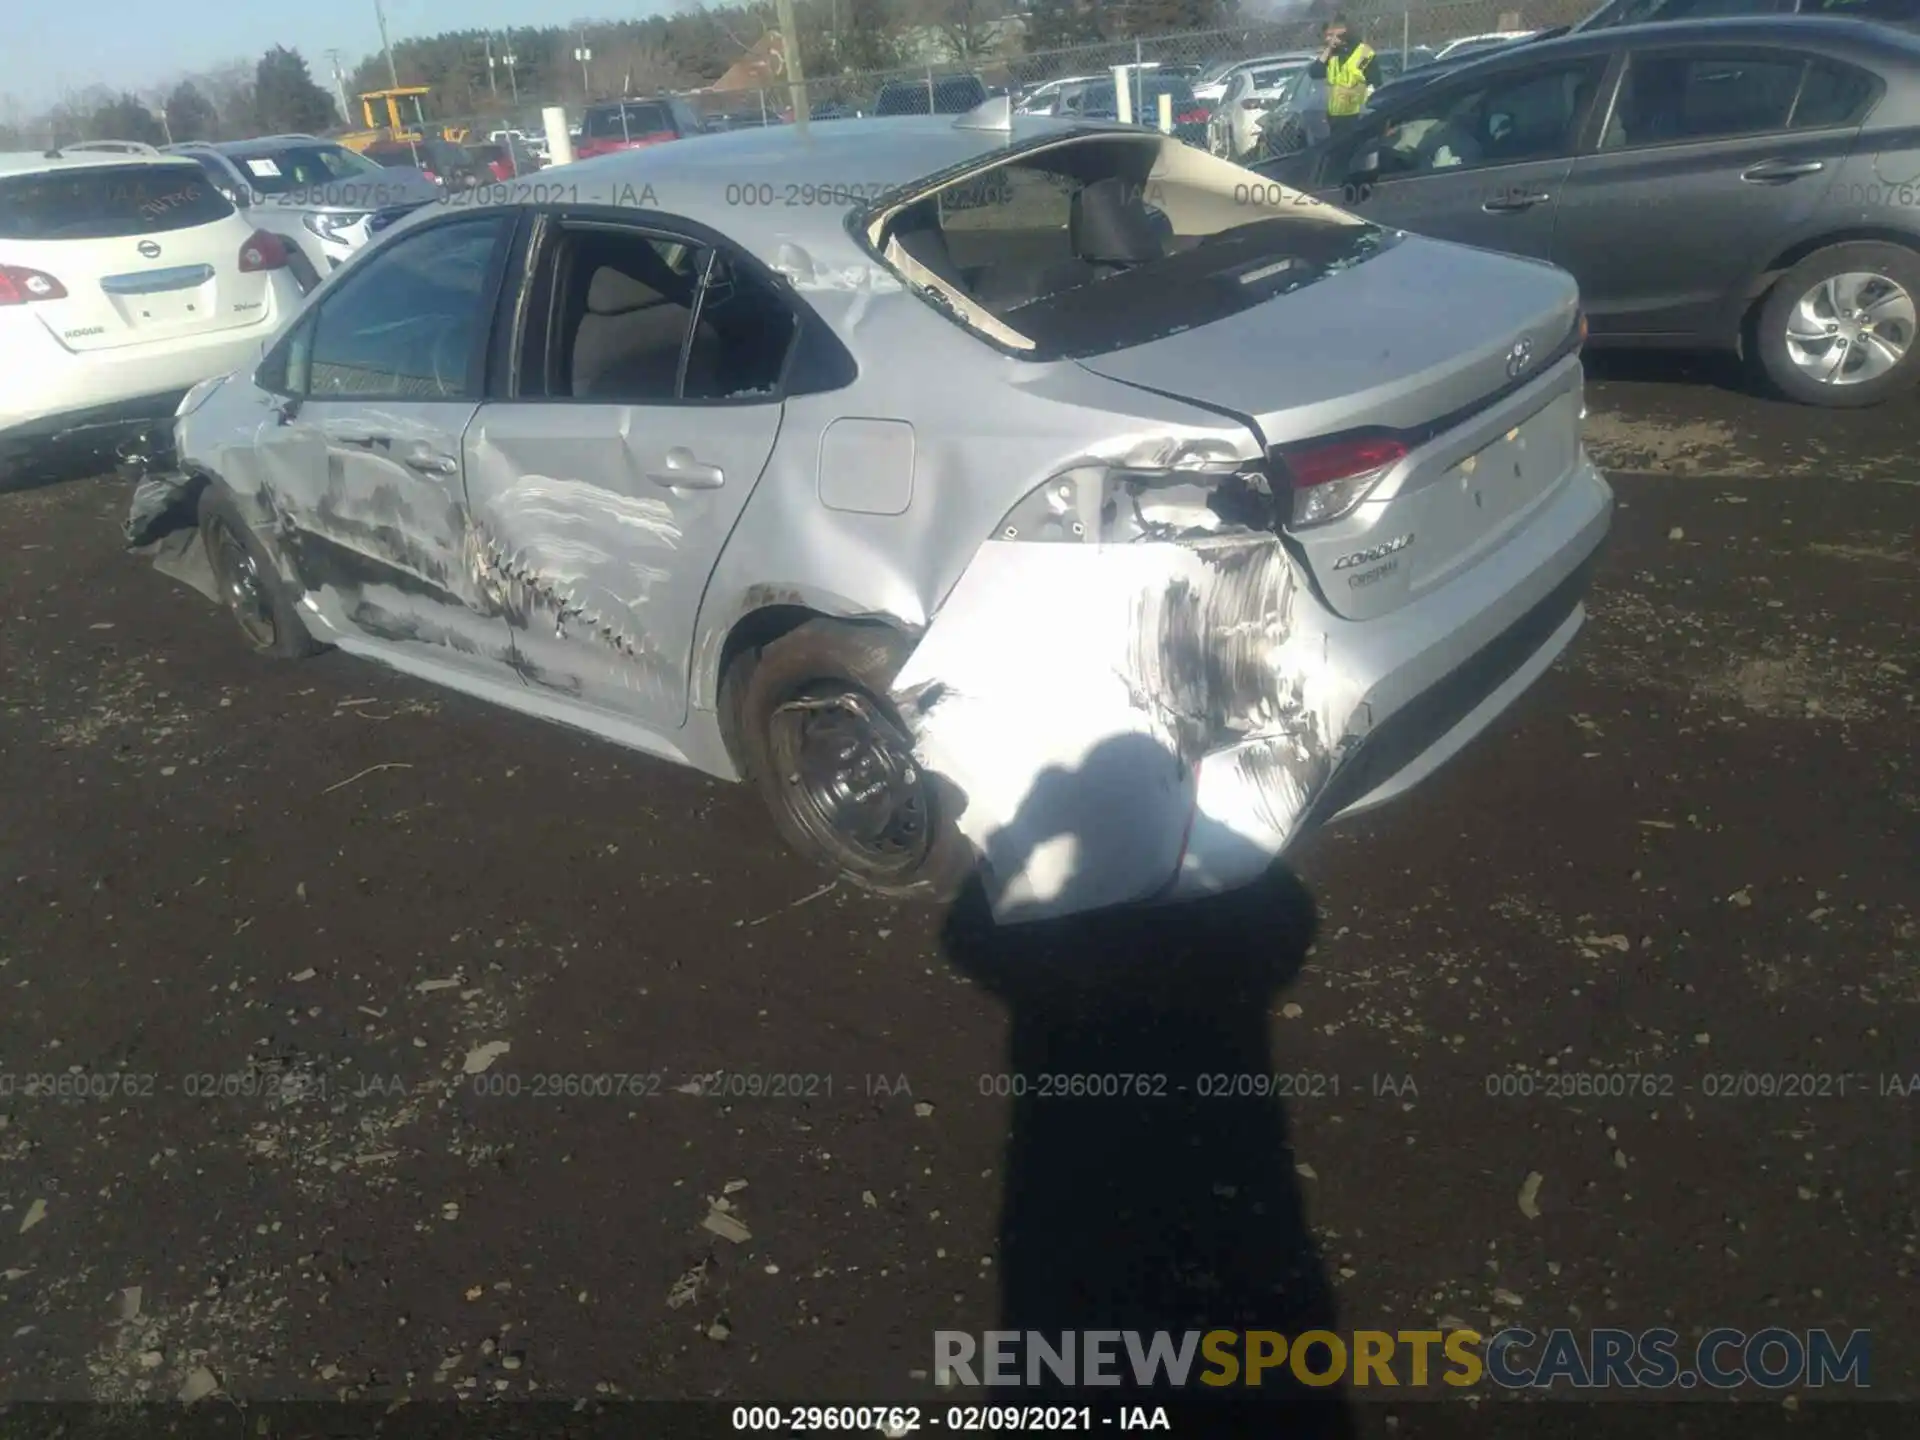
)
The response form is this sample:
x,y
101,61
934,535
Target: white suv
x,y
125,279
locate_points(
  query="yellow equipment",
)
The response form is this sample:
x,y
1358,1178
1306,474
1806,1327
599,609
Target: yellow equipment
x,y
394,126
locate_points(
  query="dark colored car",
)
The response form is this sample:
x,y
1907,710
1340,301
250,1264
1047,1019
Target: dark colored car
x,y
1616,13
1750,185
441,160
630,124
1099,100
942,95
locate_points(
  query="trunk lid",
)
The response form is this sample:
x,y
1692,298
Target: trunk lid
x,y
143,252
1448,369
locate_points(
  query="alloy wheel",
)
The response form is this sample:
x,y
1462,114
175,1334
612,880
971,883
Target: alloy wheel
x,y
242,588
1851,328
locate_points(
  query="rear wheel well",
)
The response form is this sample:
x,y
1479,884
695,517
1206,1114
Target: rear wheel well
x,y
751,634
1770,275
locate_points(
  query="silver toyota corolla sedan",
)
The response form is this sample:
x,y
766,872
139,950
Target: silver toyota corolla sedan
x,y
1053,501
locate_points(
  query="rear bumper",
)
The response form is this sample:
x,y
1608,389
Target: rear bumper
x,y
48,391
1462,655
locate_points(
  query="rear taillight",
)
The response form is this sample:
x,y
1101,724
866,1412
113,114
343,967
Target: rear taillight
x,y
263,251
1581,339
1329,479
21,286
1193,117
430,175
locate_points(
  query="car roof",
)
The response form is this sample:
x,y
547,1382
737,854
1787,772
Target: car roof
x,y
1831,34
695,178
263,144
26,162
1278,57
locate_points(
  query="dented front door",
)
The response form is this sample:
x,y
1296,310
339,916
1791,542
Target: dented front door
x,y
598,527
377,507
362,464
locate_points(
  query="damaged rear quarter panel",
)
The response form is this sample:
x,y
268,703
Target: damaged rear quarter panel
x,y
1069,691
979,447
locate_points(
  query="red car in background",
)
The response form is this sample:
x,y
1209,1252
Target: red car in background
x,y
629,124
505,161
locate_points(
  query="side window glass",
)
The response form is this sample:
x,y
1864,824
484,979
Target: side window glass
x,y
284,371
1665,99
404,326
1529,116
740,346
623,308
1832,95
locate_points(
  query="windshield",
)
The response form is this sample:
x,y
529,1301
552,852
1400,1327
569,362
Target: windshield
x,y
105,202
302,167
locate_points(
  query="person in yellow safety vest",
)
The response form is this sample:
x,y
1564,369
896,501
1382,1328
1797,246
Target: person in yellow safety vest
x,y
1351,70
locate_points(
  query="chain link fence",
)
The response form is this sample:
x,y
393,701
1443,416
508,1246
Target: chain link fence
x,y
1392,29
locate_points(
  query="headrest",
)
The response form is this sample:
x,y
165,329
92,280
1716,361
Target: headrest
x,y
614,292
1109,224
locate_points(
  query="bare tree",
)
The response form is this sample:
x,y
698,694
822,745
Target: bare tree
x,y
968,29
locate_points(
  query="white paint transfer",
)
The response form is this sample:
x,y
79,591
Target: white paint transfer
x,y
1046,692
548,506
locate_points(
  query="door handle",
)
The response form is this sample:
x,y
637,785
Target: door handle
x,y
1770,170
683,472
356,441
1519,200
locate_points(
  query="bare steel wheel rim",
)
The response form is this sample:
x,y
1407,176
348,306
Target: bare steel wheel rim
x,y
241,585
852,782
1851,328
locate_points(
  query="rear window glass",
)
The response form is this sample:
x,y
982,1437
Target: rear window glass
x,y
1832,95
103,202
605,122
299,167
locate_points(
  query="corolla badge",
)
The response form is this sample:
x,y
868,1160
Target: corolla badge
x,y
1519,357
149,249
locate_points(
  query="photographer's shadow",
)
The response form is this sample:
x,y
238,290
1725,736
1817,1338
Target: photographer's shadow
x,y
1164,1208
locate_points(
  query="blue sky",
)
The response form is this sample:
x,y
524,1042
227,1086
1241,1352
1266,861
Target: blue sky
x,y
132,44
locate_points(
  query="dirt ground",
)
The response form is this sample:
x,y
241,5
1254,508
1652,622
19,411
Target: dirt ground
x,y
417,1043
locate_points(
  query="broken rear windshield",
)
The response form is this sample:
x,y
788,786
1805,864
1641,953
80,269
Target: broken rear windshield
x,y
105,202
1234,271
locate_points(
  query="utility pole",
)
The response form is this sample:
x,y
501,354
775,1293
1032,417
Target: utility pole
x,y
513,79
583,55
790,62
340,86
493,83
393,71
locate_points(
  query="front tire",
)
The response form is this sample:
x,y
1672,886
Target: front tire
x,y
1838,329
835,764
249,586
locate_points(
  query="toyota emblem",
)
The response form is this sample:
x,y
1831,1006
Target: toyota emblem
x,y
1519,358
149,249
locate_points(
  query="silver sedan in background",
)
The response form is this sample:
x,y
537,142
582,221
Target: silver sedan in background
x,y
1047,501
